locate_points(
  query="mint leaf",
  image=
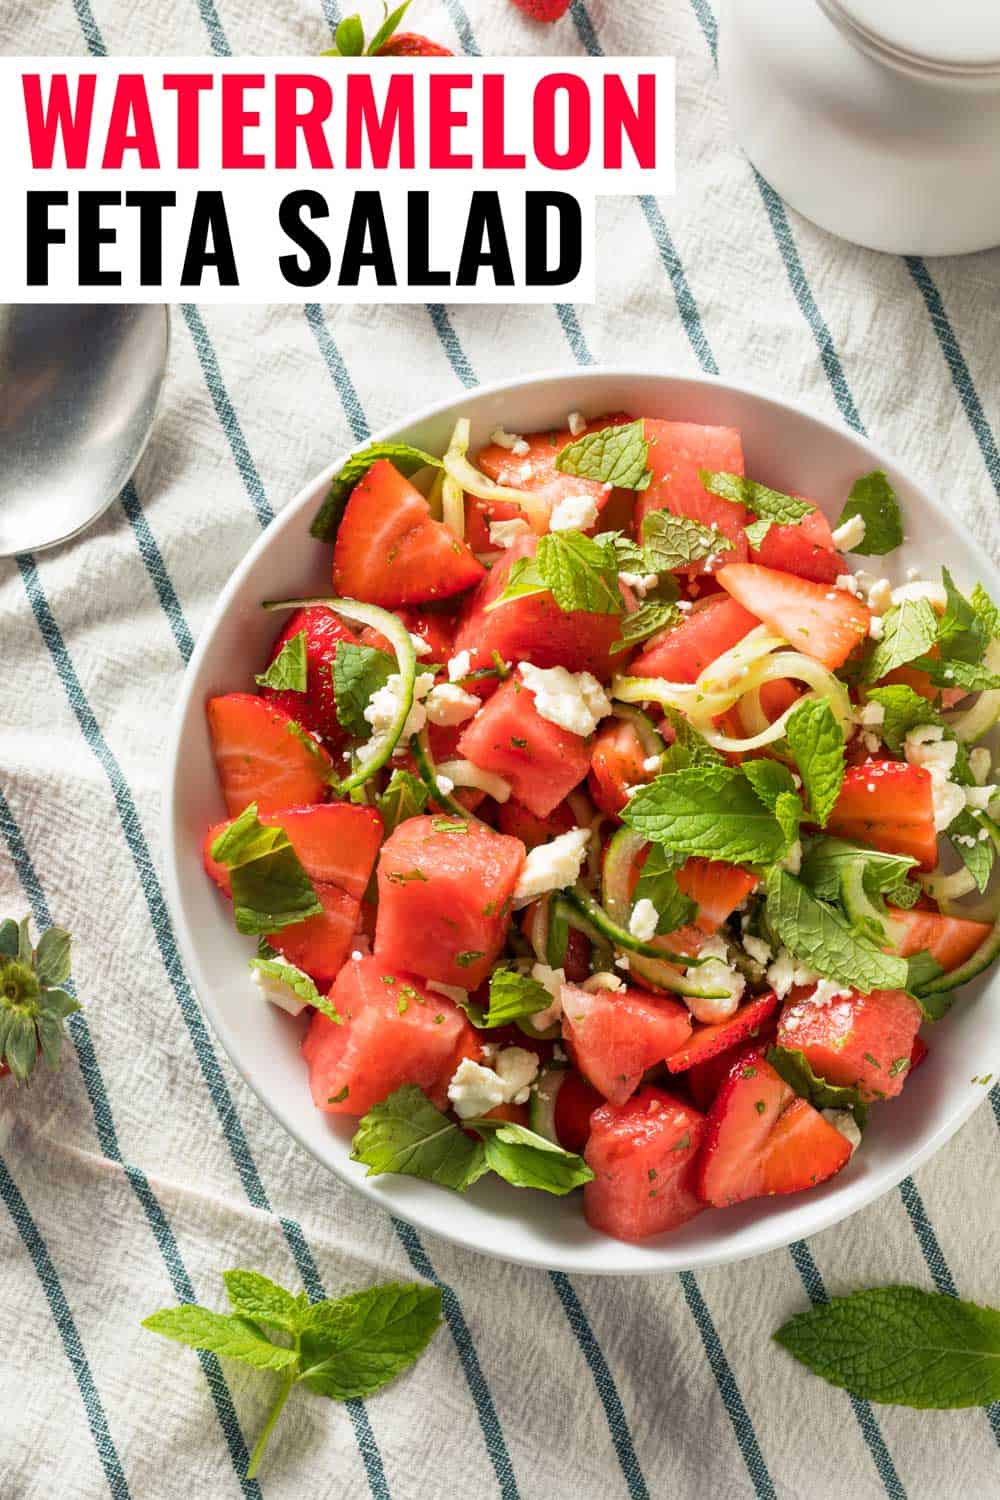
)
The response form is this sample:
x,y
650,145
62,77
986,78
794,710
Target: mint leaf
x,y
288,671
614,455
256,1297
403,456
580,572
766,504
975,853
921,969
820,937
825,860
200,1328
271,890
406,1134
52,962
909,630
796,1070
973,677
527,1160
901,1345
355,1345
651,616
688,747
405,797
756,532
874,500
707,810
816,739
774,786
658,883
271,963
358,673
904,710
961,633
350,37
511,995
986,611
671,542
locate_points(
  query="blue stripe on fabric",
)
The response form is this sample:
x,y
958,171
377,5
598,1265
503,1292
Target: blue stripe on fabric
x,y
107,1135
37,1249
463,27
156,568
566,313
213,25
457,357
743,1427
346,390
496,1445
604,1381
817,1294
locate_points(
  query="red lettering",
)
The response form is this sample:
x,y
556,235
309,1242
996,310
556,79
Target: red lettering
x,y
130,127
578,129
58,119
364,123
289,119
495,154
444,119
637,121
188,87
236,119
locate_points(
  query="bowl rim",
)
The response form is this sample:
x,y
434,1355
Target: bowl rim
x,y
816,1214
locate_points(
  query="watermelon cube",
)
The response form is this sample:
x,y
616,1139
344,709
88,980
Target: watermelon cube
x,y
541,760
861,1041
682,652
445,888
393,1031
643,1157
805,547
612,1037
677,451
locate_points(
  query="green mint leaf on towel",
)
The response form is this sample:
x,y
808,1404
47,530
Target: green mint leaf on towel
x,y
614,455
874,500
288,671
404,456
902,1346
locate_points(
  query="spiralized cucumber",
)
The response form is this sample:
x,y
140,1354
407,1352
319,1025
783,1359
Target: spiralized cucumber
x,y
464,773
602,924
452,494
473,482
866,913
984,713
373,756
427,771
649,737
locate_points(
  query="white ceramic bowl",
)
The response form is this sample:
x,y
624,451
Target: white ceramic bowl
x,y
786,447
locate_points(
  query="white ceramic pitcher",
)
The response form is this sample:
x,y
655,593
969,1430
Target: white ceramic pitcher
x,y
877,119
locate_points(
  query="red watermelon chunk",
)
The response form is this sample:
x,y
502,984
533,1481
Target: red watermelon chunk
x,y
534,628
394,1031
805,548
521,823
541,760
445,898
824,623
643,1155
677,451
617,762
575,1103
612,1037
390,550
682,652
316,708
861,1041
888,805
261,756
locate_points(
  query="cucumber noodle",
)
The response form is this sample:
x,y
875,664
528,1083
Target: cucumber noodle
x,y
464,477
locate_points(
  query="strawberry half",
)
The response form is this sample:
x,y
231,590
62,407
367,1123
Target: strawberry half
x,y
824,623
716,888
708,1041
543,10
888,805
762,1139
262,756
316,708
411,44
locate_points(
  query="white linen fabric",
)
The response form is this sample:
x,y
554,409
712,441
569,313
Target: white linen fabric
x,y
145,1167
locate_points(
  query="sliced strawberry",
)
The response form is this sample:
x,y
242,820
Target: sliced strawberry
x,y
389,549
761,1139
708,1041
824,623
888,805
316,708
717,888
920,1050
575,1103
704,1079
861,1041
951,940
617,762
682,652
320,945
677,451
805,548
644,1158
218,873
613,1037
436,630
410,44
263,756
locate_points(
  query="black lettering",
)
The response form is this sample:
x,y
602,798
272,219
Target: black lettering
x,y
485,243
418,244
94,234
209,226
150,202
291,211
367,221
536,238
40,234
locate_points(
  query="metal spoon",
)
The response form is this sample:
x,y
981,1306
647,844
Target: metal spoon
x,y
78,390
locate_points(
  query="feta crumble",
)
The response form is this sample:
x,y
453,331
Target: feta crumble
x,y
933,592
449,704
786,973
450,992
849,536
573,700
639,583
876,628
420,646
573,513
459,666
474,1090
444,784
716,974
651,764
506,533
843,1121
872,715
552,866
552,980
926,746
980,764
603,981
879,596
978,798
576,422
277,991
643,922
757,949
517,1069
383,706
512,441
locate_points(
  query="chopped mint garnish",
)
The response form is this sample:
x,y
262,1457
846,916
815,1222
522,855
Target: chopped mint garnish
x,y
614,455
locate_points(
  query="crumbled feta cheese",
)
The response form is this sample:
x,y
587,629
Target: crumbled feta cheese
x,y
848,583
475,1090
758,950
684,605
850,535
384,706
603,981
879,596
450,992
445,785
792,861
651,764
573,513
512,441
871,742
787,973
449,704
622,962
926,746
576,422
876,628
517,1069
825,991
639,583
552,980
459,666
506,533
716,974
643,922
573,700
552,866
872,714
980,764
420,646
843,1121
934,592
913,574
277,991
978,798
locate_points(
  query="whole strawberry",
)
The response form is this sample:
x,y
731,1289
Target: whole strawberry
x,y
410,44
543,10
387,41
32,1006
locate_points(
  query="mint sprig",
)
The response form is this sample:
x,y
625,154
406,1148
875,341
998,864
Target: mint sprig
x,y
580,572
512,996
358,673
873,498
270,963
341,1349
821,938
827,860
962,634
770,506
652,616
816,739
613,455
796,1069
405,797
658,883
909,631
707,810
953,672
901,1345
904,710
33,1004
289,670
671,542
270,887
402,456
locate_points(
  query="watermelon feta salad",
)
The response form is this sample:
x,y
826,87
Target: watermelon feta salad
x,y
604,828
